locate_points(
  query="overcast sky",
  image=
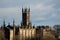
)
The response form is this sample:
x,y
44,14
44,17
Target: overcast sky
x,y
43,12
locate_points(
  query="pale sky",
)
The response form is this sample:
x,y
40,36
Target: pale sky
x,y
42,12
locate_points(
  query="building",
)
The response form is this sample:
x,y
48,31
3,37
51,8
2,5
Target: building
x,y
25,31
57,31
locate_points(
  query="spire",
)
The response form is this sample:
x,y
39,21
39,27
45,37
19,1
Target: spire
x,y
4,23
22,9
29,9
13,22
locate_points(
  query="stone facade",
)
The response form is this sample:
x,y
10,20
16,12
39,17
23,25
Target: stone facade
x,y
26,34
11,34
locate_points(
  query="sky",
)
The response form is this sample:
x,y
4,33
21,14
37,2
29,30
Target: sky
x,y
42,12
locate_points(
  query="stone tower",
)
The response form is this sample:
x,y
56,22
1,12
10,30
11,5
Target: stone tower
x,y
13,29
25,16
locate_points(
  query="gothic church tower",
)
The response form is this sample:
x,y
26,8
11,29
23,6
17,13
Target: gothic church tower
x,y
25,16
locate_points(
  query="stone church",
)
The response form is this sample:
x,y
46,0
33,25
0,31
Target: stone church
x,y
24,32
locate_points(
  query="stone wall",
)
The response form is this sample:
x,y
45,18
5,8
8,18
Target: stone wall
x,y
26,34
11,34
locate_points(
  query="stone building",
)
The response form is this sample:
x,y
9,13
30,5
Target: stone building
x,y
57,31
25,31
